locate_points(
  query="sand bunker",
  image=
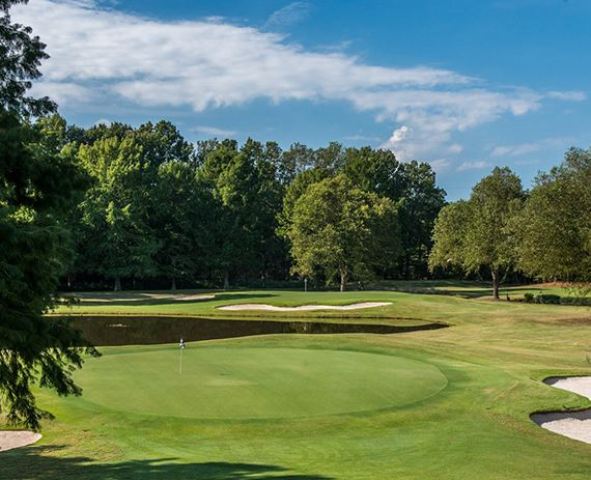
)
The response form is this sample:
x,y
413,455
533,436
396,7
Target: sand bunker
x,y
575,425
307,308
15,439
141,297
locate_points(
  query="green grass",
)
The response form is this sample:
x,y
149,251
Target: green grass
x,y
228,382
443,404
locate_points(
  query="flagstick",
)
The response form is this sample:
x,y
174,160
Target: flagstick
x,y
181,362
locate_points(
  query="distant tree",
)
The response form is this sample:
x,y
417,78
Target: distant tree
x,y
298,186
449,235
478,233
330,158
161,143
339,231
411,184
297,159
118,243
37,187
554,228
247,198
421,200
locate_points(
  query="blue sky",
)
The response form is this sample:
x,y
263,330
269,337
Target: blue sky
x,y
463,85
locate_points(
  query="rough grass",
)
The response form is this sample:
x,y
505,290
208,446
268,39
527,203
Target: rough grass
x,y
478,426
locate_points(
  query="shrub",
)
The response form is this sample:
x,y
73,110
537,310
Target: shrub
x,y
548,299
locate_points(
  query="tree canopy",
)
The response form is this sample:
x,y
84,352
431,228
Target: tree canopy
x,y
338,230
37,187
478,233
554,228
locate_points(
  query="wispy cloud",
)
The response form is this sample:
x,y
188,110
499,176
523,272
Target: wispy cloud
x,y
291,14
440,164
574,96
213,131
479,165
105,56
519,149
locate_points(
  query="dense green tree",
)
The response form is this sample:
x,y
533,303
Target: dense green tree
x,y
554,228
118,242
294,191
421,200
292,162
449,235
181,217
339,231
36,187
247,194
478,233
413,185
161,143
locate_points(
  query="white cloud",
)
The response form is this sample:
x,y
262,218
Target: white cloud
x,y
64,93
531,147
440,164
106,56
472,166
571,96
290,14
515,150
213,131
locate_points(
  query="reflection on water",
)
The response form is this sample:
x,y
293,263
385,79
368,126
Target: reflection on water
x,y
112,330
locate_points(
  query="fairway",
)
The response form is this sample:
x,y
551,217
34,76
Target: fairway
x,y
447,404
254,383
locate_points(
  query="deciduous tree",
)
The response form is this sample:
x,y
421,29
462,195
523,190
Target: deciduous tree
x,y
478,233
341,231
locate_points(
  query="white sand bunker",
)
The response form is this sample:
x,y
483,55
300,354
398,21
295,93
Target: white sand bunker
x,y
307,308
15,439
101,297
575,425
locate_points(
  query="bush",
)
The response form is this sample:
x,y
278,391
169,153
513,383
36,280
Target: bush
x,y
583,301
551,299
548,299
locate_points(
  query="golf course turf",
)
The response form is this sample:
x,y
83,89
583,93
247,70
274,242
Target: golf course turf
x,y
452,403
224,382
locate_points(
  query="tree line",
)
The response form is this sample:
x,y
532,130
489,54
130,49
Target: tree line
x,y
543,233
219,213
155,206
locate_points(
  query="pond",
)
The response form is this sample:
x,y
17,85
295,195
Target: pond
x,y
120,330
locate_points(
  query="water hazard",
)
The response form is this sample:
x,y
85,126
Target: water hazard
x,y
116,330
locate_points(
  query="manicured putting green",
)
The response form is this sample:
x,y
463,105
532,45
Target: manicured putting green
x,y
254,383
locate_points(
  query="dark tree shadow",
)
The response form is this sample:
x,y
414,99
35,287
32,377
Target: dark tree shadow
x,y
34,463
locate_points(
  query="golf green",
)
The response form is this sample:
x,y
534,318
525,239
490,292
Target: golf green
x,y
254,383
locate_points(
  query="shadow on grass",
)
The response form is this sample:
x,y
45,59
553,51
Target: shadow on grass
x,y
454,288
106,300
35,463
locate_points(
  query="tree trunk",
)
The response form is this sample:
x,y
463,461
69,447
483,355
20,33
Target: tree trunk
x,y
117,286
495,282
226,280
343,280
173,284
